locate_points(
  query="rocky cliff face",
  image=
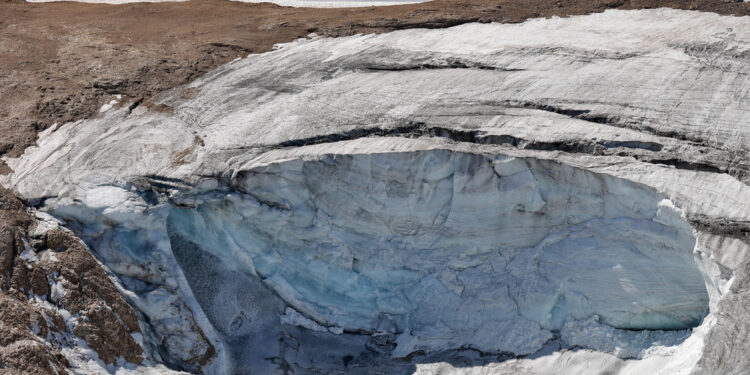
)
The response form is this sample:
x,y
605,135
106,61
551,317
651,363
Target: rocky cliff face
x,y
426,200
58,304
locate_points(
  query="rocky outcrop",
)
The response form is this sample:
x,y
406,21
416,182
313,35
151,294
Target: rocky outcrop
x,y
56,299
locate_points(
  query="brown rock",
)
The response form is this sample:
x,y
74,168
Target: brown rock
x,y
105,322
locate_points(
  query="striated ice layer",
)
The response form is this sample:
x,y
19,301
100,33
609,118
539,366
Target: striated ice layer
x,y
455,250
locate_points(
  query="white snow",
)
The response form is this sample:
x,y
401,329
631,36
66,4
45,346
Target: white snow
x,y
106,107
57,289
45,224
28,254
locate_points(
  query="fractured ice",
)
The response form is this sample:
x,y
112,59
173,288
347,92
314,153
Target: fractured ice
x,y
460,250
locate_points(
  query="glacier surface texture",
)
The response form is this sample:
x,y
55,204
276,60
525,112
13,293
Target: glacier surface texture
x,y
562,195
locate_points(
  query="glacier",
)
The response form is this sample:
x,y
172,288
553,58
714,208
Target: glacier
x,y
458,249
433,250
565,194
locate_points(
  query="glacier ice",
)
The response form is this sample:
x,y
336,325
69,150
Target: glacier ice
x,y
423,200
462,250
440,249
435,251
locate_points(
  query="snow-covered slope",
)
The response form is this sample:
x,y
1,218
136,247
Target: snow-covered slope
x,y
424,200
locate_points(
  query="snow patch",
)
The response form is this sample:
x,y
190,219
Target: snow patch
x,y
57,289
106,107
28,254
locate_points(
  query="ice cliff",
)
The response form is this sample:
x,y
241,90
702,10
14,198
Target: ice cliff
x,y
565,194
